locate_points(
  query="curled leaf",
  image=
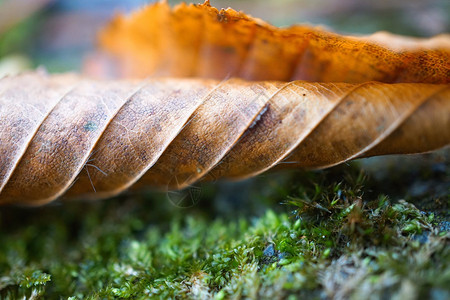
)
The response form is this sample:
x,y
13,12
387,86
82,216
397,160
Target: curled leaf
x,y
73,136
67,135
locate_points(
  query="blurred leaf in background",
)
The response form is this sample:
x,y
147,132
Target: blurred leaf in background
x,y
57,34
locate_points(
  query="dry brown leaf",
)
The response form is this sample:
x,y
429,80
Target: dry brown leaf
x,y
78,137
67,135
201,41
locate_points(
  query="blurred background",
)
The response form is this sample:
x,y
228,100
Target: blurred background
x,y
57,34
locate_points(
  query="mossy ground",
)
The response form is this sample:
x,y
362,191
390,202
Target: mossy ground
x,y
355,231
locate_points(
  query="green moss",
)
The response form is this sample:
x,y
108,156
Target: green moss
x,y
327,234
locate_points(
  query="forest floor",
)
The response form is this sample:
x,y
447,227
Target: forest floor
x,y
377,228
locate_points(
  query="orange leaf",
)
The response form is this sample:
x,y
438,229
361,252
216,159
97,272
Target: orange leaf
x,y
201,41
